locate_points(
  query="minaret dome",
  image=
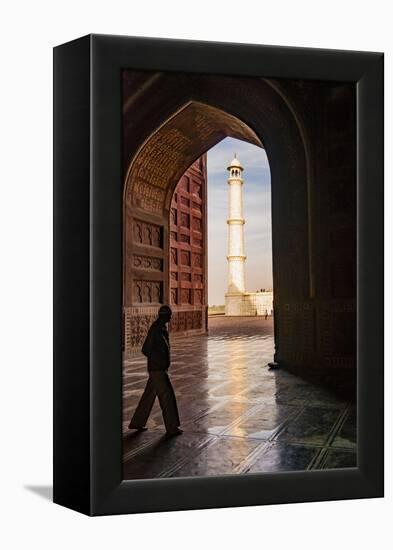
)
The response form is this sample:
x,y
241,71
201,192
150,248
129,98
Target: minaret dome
x,y
235,168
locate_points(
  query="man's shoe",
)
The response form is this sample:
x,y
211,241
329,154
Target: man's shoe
x,y
178,431
137,428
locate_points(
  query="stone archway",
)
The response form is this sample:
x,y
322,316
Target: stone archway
x,y
150,184
160,160
170,121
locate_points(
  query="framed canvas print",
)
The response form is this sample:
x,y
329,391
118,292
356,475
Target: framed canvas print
x,y
218,275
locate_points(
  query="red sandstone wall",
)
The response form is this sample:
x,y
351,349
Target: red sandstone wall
x,y
188,250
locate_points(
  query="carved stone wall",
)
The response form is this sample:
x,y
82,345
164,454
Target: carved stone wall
x,y
296,332
188,254
174,258
156,169
136,322
184,321
147,292
318,329
320,332
144,276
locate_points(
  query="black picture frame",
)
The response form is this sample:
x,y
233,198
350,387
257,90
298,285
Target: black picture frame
x,y
88,275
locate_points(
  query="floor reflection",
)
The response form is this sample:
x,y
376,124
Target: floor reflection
x,y
238,416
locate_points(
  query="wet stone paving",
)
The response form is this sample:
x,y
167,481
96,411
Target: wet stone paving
x,y
238,416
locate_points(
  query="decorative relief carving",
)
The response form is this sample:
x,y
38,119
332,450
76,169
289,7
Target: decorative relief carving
x,y
197,224
147,233
156,293
190,322
157,163
190,292
337,324
174,235
138,293
185,296
148,197
147,292
202,125
186,320
158,158
174,255
174,216
184,238
139,328
137,322
174,296
157,236
185,257
148,262
185,183
185,219
197,190
137,232
174,322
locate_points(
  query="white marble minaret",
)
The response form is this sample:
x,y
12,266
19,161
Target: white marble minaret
x,y
236,256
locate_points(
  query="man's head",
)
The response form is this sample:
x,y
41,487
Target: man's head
x,y
165,314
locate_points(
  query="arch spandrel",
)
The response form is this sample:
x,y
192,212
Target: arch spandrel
x,y
164,157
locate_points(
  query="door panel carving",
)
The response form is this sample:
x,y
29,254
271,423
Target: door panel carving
x,y
188,250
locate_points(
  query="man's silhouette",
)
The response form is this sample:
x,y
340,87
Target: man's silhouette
x,y
157,350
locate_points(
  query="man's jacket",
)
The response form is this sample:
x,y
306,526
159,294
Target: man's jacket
x,y
156,347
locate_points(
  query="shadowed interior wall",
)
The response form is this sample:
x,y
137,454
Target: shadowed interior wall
x,y
308,131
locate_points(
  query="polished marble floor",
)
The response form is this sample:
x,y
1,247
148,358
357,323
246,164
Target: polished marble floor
x,y
238,416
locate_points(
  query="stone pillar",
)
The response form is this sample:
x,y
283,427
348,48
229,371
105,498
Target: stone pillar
x,y
236,256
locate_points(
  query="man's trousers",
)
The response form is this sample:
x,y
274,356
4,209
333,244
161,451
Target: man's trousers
x,y
158,385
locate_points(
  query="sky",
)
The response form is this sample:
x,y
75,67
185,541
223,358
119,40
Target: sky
x,y
257,213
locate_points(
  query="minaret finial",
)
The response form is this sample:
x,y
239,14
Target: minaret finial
x,y
235,164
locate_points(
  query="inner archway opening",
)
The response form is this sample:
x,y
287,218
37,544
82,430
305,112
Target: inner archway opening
x,y
165,237
220,243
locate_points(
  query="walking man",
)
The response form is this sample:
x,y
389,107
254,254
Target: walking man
x,y
157,350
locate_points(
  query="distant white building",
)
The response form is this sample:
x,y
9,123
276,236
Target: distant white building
x,y
237,300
